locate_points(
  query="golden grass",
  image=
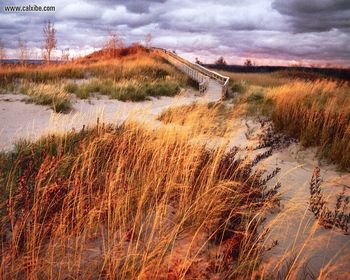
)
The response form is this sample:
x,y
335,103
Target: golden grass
x,y
48,94
139,66
213,119
153,76
132,202
318,113
292,263
128,203
258,79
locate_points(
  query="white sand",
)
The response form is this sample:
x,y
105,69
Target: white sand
x,y
30,121
294,226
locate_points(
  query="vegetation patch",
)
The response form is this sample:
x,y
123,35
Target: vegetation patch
x,y
238,86
316,111
45,94
207,119
339,217
258,79
126,90
96,191
133,77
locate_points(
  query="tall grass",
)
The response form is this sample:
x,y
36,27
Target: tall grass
x,y
273,79
46,94
258,79
134,77
125,90
211,119
318,113
141,67
126,203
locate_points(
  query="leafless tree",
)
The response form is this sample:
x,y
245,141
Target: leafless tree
x,y
113,43
248,63
65,55
50,41
22,49
221,61
197,61
2,51
148,40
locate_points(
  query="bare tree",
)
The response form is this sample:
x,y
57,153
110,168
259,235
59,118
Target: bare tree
x,y
197,61
65,54
113,43
148,40
2,51
22,49
50,41
248,63
221,61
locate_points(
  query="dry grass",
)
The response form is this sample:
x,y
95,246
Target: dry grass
x,y
318,113
137,66
145,74
126,203
125,90
211,119
130,202
258,79
46,94
273,79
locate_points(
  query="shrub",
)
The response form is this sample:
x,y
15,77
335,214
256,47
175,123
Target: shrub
x,y
71,87
255,97
239,86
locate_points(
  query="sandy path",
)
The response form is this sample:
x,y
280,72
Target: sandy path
x,y
299,236
295,227
21,120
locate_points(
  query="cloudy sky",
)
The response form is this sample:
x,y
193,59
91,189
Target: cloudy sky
x,y
266,31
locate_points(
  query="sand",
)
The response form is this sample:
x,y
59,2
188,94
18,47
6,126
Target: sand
x,y
20,120
303,244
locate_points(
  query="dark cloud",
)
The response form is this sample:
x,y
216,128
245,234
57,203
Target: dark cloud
x,y
266,30
315,15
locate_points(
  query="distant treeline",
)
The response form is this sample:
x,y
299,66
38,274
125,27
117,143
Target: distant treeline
x,y
343,74
27,61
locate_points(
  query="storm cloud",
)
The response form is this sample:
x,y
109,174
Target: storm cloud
x,y
267,31
315,15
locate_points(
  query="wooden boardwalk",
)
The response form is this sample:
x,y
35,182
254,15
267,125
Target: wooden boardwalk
x,y
211,83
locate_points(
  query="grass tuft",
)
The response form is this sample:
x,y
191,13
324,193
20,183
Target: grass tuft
x,y
53,95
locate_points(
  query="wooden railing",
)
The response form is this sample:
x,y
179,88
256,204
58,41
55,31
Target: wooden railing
x,y
197,72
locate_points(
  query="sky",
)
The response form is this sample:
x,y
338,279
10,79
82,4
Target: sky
x,y
269,32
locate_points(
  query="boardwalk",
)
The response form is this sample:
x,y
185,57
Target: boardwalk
x,y
211,84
